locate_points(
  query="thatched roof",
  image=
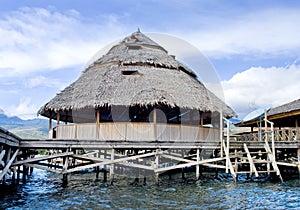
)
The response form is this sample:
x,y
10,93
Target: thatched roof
x,y
285,108
137,71
283,116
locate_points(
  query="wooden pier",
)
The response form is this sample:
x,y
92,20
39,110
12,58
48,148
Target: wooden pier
x,y
150,158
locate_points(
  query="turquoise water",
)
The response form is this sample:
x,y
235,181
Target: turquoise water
x,y
44,190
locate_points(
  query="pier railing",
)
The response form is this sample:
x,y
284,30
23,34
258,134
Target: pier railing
x,y
8,138
123,131
285,134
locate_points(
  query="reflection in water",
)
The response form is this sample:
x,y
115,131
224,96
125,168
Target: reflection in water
x,y
44,190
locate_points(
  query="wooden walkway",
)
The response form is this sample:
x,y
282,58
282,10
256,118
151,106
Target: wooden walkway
x,y
66,156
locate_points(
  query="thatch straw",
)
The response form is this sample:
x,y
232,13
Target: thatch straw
x,y
137,71
285,108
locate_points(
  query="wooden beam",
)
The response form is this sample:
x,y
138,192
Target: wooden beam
x,y
283,115
4,171
1,157
214,165
119,163
107,162
187,164
288,164
32,160
252,166
177,158
44,168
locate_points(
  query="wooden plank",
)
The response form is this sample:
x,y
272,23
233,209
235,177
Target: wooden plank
x,y
272,158
288,164
9,164
44,168
252,166
214,165
32,160
187,164
109,162
177,158
1,157
120,163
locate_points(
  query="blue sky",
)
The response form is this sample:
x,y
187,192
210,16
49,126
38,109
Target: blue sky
x,y
254,45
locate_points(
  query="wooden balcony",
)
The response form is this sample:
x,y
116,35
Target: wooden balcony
x,y
123,131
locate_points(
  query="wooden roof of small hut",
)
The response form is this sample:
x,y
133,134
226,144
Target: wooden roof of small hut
x,y
137,71
282,116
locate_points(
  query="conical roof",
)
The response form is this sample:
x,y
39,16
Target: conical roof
x,y
137,71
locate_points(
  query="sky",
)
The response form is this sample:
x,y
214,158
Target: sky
x,y
254,45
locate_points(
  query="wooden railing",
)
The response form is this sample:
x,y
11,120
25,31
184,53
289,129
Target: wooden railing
x,y
286,134
9,138
122,131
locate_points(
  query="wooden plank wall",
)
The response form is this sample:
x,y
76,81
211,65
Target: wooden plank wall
x,y
121,131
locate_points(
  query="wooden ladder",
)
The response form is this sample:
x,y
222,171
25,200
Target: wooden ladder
x,y
252,160
273,160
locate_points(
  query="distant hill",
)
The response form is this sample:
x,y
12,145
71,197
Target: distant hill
x,y
34,128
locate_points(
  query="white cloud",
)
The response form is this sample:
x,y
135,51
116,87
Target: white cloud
x,y
267,32
38,39
25,109
258,86
43,81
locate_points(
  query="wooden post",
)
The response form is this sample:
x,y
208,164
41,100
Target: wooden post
x,y
191,117
297,129
57,124
155,123
24,167
227,148
104,175
266,128
8,153
65,167
50,123
111,170
221,132
156,166
201,126
197,166
298,151
97,172
97,124
201,119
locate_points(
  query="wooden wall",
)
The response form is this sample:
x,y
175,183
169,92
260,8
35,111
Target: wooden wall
x,y
121,131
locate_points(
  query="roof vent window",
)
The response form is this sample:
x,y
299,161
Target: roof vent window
x,y
133,47
129,72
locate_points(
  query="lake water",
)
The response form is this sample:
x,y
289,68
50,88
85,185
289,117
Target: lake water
x,y
44,190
